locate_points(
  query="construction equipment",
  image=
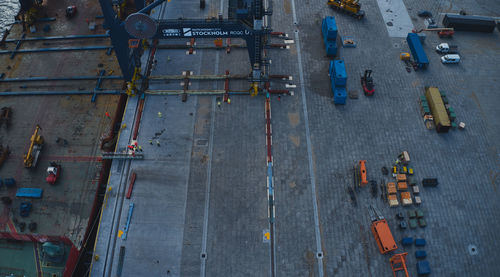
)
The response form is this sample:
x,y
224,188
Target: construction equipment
x,y
31,158
132,85
442,32
6,116
53,171
351,7
446,34
367,83
432,30
398,263
404,56
381,232
362,171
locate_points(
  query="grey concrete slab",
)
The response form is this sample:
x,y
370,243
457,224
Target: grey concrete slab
x,y
238,207
396,18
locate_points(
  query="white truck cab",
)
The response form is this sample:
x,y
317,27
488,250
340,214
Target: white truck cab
x,y
450,58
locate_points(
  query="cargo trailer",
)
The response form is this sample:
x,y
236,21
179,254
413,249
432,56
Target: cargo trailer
x,y
438,110
417,50
469,23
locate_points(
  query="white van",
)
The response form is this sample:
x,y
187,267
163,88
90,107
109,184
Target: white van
x,y
450,58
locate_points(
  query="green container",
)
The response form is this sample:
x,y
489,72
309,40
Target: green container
x,y
413,223
422,223
419,213
412,214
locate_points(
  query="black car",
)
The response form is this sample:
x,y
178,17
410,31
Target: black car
x,y
424,13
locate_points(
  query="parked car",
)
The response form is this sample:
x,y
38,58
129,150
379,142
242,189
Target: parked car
x,y
445,48
424,13
450,58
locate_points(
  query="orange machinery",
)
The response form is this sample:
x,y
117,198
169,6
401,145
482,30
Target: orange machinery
x,y
381,232
398,263
362,170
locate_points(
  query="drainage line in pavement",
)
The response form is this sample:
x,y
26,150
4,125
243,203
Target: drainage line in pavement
x,y
319,252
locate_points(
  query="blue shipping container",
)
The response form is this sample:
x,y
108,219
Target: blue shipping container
x,y
417,51
9,182
423,268
337,73
29,192
331,49
329,28
339,95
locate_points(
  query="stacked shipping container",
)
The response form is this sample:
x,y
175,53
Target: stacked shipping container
x,y
338,79
329,32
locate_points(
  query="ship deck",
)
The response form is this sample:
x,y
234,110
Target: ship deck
x,y
65,208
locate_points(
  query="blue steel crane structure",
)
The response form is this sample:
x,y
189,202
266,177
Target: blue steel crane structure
x,y
248,19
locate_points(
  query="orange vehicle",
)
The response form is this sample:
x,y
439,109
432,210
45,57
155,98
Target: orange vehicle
x,y
362,169
381,232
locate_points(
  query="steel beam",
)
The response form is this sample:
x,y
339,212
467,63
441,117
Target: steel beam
x,y
76,92
194,92
147,9
57,38
77,78
198,77
119,39
41,50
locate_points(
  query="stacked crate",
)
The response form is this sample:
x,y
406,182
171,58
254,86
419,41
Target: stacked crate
x,y
329,32
449,109
338,79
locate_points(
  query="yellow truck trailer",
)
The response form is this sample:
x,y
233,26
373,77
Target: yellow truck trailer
x,y
438,110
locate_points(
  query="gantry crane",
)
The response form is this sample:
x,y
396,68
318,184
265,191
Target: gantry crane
x,y
248,19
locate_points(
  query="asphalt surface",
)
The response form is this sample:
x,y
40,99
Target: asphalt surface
x,y
201,197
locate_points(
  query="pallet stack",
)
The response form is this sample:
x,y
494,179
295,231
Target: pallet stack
x,y
329,32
